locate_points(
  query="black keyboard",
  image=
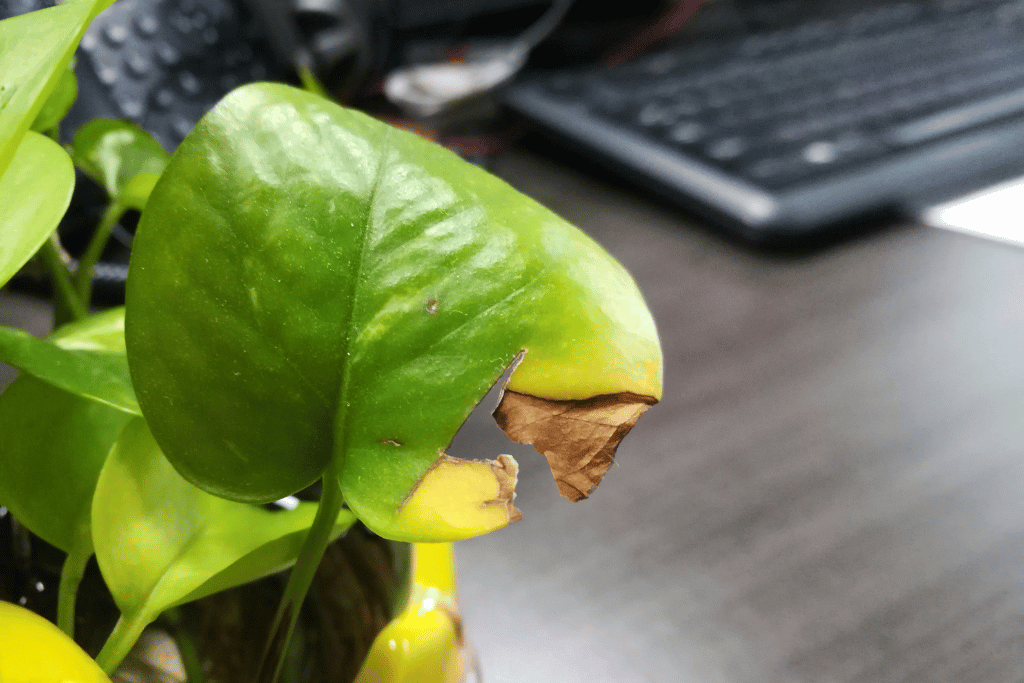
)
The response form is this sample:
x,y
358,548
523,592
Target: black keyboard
x,y
785,120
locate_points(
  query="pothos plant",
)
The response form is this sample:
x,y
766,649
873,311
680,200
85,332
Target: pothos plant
x,y
313,296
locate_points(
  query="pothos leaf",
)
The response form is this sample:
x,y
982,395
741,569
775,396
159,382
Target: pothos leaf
x,y
34,194
35,49
310,284
136,191
87,372
58,103
54,442
113,152
161,541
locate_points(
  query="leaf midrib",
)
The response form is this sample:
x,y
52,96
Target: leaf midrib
x,y
340,446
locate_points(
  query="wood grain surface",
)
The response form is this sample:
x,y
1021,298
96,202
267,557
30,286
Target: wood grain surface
x,y
831,491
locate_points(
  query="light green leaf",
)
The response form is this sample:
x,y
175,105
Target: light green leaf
x,y
113,152
34,194
136,191
102,333
161,541
58,103
34,52
54,443
84,367
310,285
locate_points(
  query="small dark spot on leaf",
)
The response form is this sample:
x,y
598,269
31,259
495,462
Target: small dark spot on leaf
x,y
432,305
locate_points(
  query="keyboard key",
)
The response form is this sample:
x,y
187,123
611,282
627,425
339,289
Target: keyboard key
x,y
115,34
726,149
820,152
655,114
147,25
687,132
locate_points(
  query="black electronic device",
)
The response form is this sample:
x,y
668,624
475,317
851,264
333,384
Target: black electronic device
x,y
788,120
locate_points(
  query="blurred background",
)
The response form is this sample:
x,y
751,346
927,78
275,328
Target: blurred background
x,y
831,489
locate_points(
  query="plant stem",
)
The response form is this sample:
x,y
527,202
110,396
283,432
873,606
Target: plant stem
x,y
87,264
70,578
126,633
310,83
301,577
64,291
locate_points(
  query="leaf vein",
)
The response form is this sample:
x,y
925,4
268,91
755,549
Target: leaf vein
x,y
341,416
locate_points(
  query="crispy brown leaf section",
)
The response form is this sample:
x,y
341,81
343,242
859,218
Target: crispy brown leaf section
x,y
506,471
578,437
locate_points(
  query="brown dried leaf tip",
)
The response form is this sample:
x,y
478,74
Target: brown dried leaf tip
x,y
506,472
578,437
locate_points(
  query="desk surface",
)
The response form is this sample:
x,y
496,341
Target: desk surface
x,y
831,491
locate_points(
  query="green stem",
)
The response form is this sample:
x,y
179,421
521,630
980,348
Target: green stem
x,y
87,264
126,633
64,291
311,83
301,577
70,578
190,659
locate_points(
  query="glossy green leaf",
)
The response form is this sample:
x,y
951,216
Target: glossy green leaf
x,y
34,194
308,283
136,191
35,49
58,103
88,372
161,541
54,443
99,333
113,152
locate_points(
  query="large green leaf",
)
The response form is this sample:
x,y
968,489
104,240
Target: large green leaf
x,y
161,541
113,152
34,194
58,103
35,49
308,283
54,443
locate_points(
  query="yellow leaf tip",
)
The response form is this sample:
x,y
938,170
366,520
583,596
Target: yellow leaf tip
x,y
458,499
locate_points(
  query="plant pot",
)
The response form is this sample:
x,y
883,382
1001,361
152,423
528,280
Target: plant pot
x,y
349,603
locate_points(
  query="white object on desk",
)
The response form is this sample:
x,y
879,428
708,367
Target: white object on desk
x,y
996,212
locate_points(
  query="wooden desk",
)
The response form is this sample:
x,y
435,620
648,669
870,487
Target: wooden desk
x,y
831,491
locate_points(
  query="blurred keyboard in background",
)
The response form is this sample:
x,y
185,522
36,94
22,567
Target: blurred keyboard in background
x,y
788,120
